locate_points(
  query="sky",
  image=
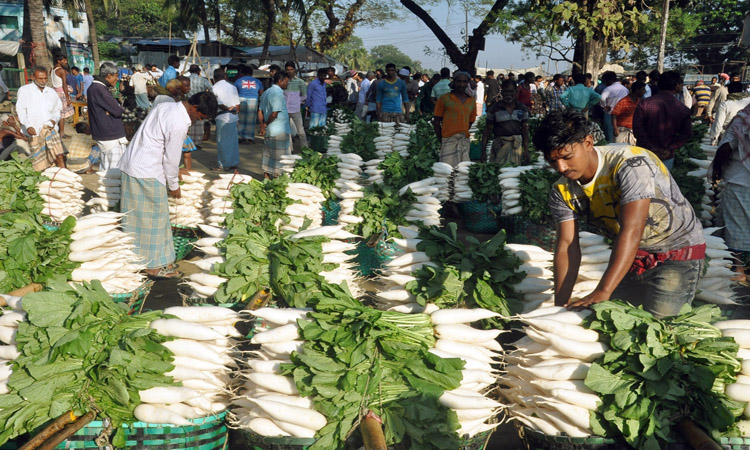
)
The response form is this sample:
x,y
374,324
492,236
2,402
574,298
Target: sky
x,y
412,36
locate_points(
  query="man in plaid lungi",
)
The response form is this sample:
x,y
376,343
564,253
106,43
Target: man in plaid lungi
x,y
274,125
250,89
198,84
150,173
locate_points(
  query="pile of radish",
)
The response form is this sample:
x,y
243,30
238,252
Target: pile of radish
x,y
715,285
348,189
461,189
373,171
335,252
186,211
537,287
108,193
384,141
268,403
220,204
8,328
739,330
308,204
441,179
544,377
334,144
61,193
202,363
426,209
288,162
595,253
479,350
105,253
510,182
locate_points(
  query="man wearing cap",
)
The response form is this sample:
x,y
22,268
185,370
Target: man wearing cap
x,y
412,86
139,81
392,99
454,114
719,96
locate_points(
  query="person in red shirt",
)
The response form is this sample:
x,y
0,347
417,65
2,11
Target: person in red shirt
x,y
524,90
622,114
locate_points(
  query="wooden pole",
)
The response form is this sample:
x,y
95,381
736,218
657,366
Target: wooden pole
x,y
663,37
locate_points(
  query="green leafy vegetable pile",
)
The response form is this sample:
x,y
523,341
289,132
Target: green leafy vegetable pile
x,y
484,182
423,144
692,187
18,191
81,351
361,140
317,170
260,203
535,185
657,372
295,267
469,275
481,123
381,208
357,358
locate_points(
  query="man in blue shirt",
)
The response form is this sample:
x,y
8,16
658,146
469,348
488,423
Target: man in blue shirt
x,y
78,84
391,96
274,125
316,99
170,73
580,97
250,90
87,80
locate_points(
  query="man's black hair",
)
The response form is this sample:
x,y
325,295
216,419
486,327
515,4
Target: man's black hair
x,y
669,80
579,78
637,85
59,57
556,76
641,75
559,129
173,59
219,74
290,64
323,71
589,76
609,77
83,128
206,102
195,68
734,86
491,73
274,67
75,68
654,76
278,76
508,82
445,72
86,70
389,65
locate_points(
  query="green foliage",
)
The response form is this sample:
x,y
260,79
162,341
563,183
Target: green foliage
x,y
316,170
469,274
260,203
294,269
143,18
380,55
352,53
535,185
657,372
360,139
80,351
382,210
357,358
484,182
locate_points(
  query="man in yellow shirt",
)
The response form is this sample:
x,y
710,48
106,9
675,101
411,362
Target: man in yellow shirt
x,y
454,114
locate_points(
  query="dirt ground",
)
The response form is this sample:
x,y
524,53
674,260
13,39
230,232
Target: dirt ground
x,y
164,293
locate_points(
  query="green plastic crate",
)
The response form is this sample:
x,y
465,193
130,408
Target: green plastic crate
x,y
372,259
183,238
136,299
480,217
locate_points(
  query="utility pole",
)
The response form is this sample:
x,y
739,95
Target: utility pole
x,y
663,37
466,27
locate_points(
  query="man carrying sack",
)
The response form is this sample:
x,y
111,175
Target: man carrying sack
x,y
39,108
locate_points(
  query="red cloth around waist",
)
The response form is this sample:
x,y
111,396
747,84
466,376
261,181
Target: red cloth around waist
x,y
645,260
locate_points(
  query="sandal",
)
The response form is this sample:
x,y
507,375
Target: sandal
x,y
165,273
217,169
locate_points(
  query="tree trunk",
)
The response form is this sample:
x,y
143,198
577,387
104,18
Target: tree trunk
x,y
92,35
589,56
270,7
37,36
204,22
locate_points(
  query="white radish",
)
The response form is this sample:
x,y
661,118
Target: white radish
x,y
153,414
275,383
167,394
460,315
465,333
183,329
283,333
292,414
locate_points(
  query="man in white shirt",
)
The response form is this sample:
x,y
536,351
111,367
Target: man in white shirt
x,y
139,80
227,138
38,108
613,93
363,90
150,173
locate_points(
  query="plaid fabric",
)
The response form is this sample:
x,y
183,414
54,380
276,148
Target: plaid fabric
x,y
188,146
111,152
67,107
553,98
507,149
196,131
391,117
144,202
79,151
662,124
645,260
455,149
45,148
248,117
274,148
735,211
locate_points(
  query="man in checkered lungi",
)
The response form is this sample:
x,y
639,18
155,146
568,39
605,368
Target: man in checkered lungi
x,y
274,125
150,174
198,84
250,90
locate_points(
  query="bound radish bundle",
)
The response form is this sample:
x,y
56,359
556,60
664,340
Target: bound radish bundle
x,y
204,284
397,273
202,362
342,129
510,184
220,203
108,192
186,211
334,144
537,288
544,380
348,188
442,175
461,190
425,210
9,321
739,391
287,163
314,168
384,140
480,353
61,192
595,253
400,143
709,205
715,283
268,403
105,253
373,171
308,202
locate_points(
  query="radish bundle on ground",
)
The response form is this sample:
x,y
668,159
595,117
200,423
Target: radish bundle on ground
x,y
510,183
334,144
220,203
384,141
595,253
187,210
202,348
9,320
739,330
348,188
461,189
442,176
537,288
287,162
105,253
715,283
308,203
425,211
108,192
373,171
62,193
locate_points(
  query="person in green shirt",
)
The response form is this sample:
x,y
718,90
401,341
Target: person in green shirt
x,y
580,97
295,94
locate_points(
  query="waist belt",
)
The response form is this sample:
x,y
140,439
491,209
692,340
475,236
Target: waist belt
x,y
645,260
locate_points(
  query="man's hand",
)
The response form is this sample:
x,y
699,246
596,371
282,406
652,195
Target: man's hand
x,y
596,296
262,131
720,160
176,193
181,172
31,131
615,131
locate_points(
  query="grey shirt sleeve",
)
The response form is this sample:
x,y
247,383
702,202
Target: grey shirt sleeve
x,y
559,210
636,179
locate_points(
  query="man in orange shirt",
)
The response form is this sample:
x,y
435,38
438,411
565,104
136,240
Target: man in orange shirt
x,y
622,114
454,114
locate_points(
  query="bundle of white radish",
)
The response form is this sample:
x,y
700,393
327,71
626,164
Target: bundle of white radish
x,y
308,203
335,252
384,140
288,161
426,208
373,171
715,285
461,189
186,210
537,287
544,377
202,364
348,188
220,203
334,144
204,284
442,174
709,150
105,253
709,205
400,144
108,192
61,193
9,321
739,391
456,338
404,128
510,183
595,253
268,403
342,129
